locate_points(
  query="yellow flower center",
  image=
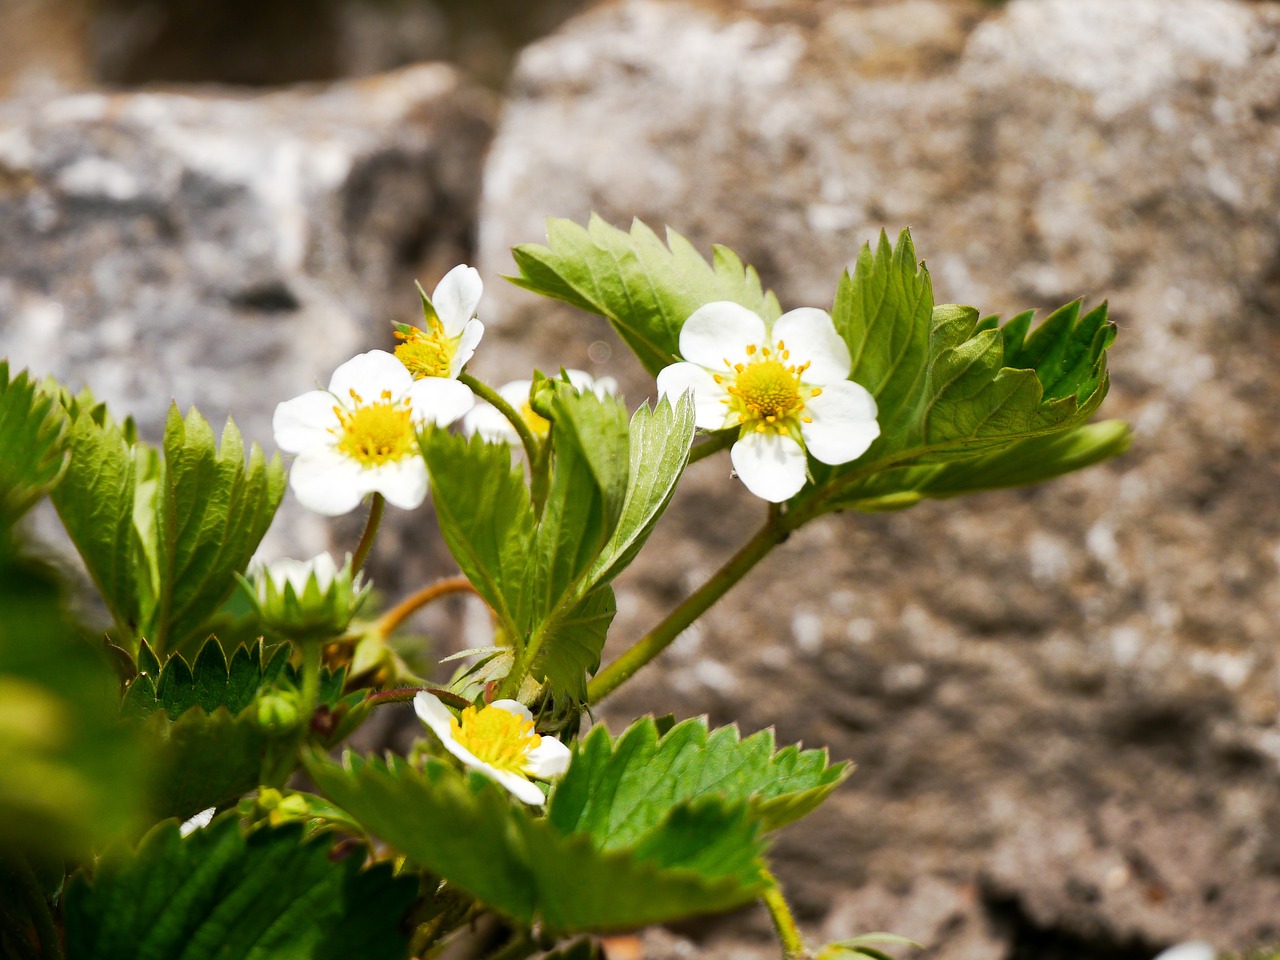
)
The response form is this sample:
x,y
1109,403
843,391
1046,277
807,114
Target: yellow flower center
x,y
766,392
539,424
426,353
498,737
376,433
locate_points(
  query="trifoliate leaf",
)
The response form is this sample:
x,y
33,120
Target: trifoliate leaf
x,y
954,388
465,828
73,773
219,895
646,289
33,451
660,444
212,512
617,789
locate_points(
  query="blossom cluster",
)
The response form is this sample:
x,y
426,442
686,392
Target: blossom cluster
x,y
783,386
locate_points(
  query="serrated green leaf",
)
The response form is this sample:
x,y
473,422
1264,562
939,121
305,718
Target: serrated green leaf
x,y
533,571
212,512
218,895
73,773
211,683
954,388
617,789
464,828
33,451
646,289
96,503
660,442
882,311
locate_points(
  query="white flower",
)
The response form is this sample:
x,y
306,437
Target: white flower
x,y
785,387
449,341
485,419
198,822
1192,950
276,574
498,740
361,435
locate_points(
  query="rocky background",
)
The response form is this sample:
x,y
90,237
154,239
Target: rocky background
x,y
1062,701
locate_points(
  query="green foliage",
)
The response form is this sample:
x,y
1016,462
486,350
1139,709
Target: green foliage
x,y
617,790
32,444
164,537
212,512
219,894
73,773
660,442
964,403
534,570
701,858
865,946
206,726
646,289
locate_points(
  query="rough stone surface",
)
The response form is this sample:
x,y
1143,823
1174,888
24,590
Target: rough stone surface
x,y
1063,701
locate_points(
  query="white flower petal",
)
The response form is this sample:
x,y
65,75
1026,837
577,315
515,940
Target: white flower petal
x,y
304,421
514,706
297,573
472,332
771,465
709,412
844,422
432,711
810,336
520,788
516,392
605,387
456,298
403,482
439,400
325,481
490,424
1191,950
368,374
198,822
720,331
548,760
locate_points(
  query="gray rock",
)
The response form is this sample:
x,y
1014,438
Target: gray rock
x,y
1063,701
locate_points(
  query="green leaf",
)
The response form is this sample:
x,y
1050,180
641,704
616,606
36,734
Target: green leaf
x,y
32,444
1015,465
646,289
660,442
882,311
96,502
211,683
219,895
73,773
466,829
999,405
617,789
862,946
212,514
533,571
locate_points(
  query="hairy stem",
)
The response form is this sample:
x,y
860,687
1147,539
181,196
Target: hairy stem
x,y
494,399
376,508
415,601
775,530
783,921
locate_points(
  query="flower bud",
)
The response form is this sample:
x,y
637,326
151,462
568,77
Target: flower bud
x,y
307,600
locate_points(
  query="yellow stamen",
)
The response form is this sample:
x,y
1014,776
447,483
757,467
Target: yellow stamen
x,y
539,424
426,353
376,433
495,736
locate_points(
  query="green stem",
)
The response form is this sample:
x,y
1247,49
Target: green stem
x,y
376,509
312,655
721,440
783,920
775,530
415,601
494,399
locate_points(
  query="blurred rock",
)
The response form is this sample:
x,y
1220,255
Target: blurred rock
x,y
228,252
1063,701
